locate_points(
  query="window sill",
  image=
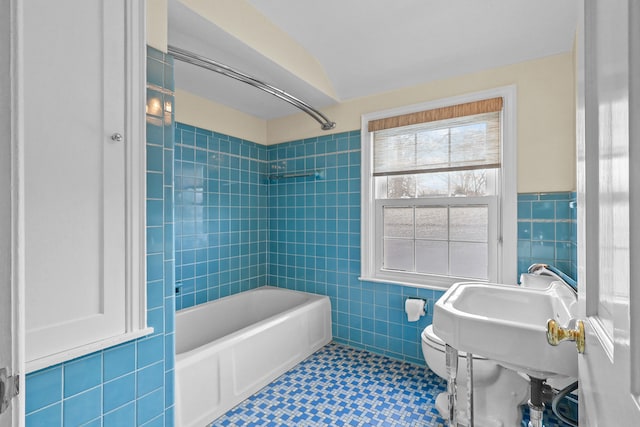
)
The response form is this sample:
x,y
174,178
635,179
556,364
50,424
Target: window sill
x,y
63,356
433,285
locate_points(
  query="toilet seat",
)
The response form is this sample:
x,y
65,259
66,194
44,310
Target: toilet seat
x,y
434,341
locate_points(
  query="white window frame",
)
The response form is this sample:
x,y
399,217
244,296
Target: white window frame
x,y
503,245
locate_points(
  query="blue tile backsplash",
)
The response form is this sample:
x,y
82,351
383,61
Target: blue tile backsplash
x,y
547,230
130,384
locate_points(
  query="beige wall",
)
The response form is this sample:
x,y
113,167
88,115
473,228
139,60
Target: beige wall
x,y
545,126
157,24
196,111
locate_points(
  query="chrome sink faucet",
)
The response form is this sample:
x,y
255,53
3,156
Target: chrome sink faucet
x,y
549,270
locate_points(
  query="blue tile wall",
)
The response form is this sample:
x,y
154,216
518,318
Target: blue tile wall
x,y
221,215
314,246
130,384
312,228
547,230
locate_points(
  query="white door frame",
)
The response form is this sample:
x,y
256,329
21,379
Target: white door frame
x,y
11,135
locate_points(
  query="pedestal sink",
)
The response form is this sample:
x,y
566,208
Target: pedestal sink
x,y
508,324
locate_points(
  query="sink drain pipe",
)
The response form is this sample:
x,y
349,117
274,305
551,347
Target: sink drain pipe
x,y
536,402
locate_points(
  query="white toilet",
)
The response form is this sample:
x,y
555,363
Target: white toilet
x,y
498,392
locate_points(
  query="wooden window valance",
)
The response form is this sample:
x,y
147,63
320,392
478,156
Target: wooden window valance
x,y
450,112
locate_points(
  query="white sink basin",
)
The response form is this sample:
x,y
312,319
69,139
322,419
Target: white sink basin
x,y
509,324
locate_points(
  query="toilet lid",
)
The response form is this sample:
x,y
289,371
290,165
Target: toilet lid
x,y
434,341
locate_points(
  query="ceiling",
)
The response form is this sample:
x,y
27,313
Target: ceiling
x,y
363,47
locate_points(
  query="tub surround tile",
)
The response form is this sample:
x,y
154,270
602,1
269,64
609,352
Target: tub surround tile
x,y
220,208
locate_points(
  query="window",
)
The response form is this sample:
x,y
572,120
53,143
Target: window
x,y
438,192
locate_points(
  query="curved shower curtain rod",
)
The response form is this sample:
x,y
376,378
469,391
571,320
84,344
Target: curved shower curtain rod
x,y
209,64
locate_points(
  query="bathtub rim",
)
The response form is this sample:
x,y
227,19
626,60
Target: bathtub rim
x,y
249,330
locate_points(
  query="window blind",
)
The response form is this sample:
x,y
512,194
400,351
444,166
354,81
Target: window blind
x,y
453,144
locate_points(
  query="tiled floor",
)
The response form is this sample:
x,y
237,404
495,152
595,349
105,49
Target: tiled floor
x,y
343,386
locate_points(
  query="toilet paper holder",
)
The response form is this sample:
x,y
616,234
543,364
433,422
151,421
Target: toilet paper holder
x,y
415,308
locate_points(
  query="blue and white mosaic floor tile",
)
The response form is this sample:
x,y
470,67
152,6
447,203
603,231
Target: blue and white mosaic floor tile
x,y
343,386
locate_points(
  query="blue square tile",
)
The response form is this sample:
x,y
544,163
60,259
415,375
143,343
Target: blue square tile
x,y
563,231
150,406
201,141
524,230
155,295
119,360
524,210
155,239
83,407
155,320
155,266
524,249
168,76
119,392
543,210
94,423
155,185
155,133
50,416
154,105
169,388
156,422
555,196
155,53
563,210
563,252
155,72
543,251
522,197
155,159
43,388
150,350
543,231
188,137
82,374
149,379
123,416
155,212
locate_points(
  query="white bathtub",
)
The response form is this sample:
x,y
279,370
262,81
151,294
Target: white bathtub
x,y
228,349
